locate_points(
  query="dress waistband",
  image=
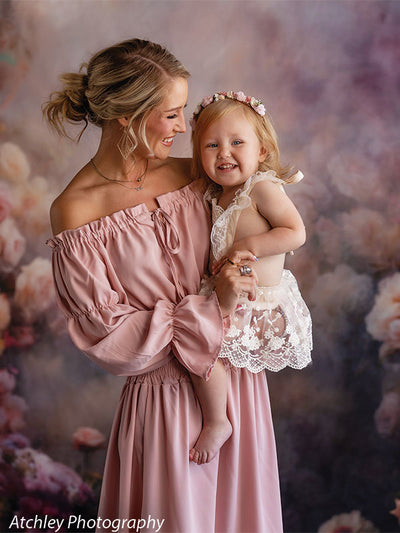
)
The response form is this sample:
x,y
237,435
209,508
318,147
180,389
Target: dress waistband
x,y
172,372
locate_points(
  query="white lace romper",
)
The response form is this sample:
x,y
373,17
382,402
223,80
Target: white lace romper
x,y
274,331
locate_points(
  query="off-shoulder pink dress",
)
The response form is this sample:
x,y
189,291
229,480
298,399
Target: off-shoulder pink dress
x,y
128,286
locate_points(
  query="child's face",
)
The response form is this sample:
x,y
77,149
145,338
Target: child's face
x,y
230,150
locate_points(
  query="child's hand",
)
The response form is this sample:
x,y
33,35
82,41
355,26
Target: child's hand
x,y
234,257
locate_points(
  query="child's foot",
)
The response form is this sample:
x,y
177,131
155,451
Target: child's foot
x,y
210,440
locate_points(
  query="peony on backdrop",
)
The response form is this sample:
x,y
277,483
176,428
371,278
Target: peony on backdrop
x,y
328,73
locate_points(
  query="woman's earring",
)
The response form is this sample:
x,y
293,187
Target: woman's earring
x,y
127,143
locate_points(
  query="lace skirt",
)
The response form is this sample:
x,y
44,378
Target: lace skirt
x,y
270,333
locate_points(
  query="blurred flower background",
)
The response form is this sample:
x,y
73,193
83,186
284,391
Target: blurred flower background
x,y
329,75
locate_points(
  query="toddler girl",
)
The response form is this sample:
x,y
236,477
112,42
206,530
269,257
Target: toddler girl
x,y
235,149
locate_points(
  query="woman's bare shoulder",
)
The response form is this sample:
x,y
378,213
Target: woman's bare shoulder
x,y
72,208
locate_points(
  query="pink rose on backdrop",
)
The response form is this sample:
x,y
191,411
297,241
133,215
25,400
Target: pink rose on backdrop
x,y
12,408
348,523
5,312
371,237
41,473
387,416
396,511
5,201
383,321
357,176
330,240
32,202
34,290
87,438
14,165
339,296
7,382
13,441
19,337
12,245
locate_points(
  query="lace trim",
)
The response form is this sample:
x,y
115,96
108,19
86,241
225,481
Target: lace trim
x,y
273,333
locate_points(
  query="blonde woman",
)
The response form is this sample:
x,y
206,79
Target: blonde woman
x,y
130,245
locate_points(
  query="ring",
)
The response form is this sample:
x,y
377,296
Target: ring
x,y
245,270
227,260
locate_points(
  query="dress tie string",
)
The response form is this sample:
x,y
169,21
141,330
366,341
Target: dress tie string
x,y
169,241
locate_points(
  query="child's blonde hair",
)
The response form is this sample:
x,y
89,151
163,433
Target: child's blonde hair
x,y
128,79
262,127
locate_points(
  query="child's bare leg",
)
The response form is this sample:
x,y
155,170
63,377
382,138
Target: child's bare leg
x,y
216,426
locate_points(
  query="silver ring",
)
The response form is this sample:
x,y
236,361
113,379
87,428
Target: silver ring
x,y
245,270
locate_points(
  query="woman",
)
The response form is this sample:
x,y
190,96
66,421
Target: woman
x,y
130,245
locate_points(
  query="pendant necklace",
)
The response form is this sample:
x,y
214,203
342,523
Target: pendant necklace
x,y
123,183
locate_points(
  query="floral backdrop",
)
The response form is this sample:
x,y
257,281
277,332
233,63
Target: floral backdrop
x,y
329,75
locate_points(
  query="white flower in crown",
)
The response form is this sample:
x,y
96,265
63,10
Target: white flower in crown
x,y
219,96
260,109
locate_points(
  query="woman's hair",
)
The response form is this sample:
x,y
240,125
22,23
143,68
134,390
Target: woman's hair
x,y
262,127
128,79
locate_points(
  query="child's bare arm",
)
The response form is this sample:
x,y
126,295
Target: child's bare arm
x,y
287,229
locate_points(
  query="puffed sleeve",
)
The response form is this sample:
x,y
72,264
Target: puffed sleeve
x,y
122,339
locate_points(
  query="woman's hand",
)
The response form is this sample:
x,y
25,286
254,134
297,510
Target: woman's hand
x,y
231,283
240,257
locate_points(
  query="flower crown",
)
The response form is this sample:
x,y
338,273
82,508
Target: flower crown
x,y
252,102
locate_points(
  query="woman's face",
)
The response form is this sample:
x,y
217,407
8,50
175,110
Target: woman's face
x,y
167,119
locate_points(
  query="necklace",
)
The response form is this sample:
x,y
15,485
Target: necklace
x,y
140,179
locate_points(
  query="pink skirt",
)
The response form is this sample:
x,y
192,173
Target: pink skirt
x,y
148,476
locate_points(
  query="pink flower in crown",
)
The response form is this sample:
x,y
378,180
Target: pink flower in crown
x,y
260,109
240,96
207,100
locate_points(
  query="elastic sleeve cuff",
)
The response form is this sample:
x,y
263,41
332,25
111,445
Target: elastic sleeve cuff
x,y
198,332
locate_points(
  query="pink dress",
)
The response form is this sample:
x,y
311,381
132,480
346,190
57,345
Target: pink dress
x,y
128,286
